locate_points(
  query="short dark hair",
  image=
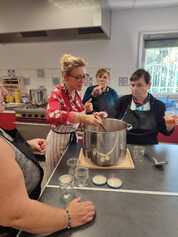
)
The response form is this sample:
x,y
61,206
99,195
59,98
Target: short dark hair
x,y
141,73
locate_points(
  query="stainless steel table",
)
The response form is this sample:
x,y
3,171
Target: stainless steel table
x,y
144,177
145,206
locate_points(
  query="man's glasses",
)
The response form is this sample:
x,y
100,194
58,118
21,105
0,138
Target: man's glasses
x,y
80,77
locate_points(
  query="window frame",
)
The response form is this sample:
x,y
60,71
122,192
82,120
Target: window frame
x,y
146,35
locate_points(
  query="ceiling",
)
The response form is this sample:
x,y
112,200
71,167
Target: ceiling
x,y
120,4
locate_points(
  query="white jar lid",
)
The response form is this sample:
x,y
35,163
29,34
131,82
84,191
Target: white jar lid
x,y
99,179
114,182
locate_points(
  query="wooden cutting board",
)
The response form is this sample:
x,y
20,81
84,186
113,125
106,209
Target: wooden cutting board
x,y
123,163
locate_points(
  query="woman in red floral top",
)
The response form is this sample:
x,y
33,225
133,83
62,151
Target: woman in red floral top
x,y
65,110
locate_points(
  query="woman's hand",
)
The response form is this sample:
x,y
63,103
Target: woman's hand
x,y
91,119
97,90
89,106
38,144
101,114
81,212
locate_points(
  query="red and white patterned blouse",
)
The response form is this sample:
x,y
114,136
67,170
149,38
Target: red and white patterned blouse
x,y
62,107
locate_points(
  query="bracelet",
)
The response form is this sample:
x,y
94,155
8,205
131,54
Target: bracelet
x,y
78,118
68,219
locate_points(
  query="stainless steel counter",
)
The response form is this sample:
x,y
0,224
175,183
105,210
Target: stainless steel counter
x,y
146,205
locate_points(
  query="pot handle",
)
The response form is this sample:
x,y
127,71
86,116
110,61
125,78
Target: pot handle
x,y
129,127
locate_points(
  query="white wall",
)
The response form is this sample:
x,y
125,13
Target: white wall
x,y
120,53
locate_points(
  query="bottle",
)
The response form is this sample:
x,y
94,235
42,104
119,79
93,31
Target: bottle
x,y
17,96
11,98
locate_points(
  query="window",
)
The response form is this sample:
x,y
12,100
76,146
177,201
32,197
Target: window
x,y
161,60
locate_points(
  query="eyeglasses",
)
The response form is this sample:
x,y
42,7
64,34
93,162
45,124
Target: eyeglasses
x,y
80,77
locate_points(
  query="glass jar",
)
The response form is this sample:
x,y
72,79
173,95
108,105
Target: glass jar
x,y
66,187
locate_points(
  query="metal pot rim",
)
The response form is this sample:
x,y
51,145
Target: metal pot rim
x,y
105,132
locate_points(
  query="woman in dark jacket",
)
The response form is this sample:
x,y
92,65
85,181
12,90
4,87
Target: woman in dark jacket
x,y
143,111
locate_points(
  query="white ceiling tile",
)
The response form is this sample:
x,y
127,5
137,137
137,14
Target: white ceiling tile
x,y
155,3
121,3
141,3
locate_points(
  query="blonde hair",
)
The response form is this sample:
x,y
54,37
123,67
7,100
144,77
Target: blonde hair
x,y
102,71
68,62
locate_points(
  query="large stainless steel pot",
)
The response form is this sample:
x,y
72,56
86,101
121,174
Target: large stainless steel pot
x,y
105,148
38,96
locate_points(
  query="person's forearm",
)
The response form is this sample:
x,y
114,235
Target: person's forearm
x,y
36,217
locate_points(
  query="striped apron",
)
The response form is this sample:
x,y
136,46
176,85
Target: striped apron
x,y
58,141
